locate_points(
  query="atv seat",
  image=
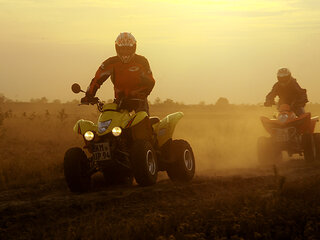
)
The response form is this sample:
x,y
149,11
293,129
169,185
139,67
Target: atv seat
x,y
154,120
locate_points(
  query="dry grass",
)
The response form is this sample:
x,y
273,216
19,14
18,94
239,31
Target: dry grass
x,y
278,203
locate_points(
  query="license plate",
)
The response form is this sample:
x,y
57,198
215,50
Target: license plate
x,y
101,152
282,135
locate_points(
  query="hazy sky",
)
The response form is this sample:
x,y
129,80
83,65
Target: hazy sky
x,y
198,50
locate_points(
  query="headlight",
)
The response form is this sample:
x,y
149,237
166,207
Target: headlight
x,y
102,126
283,117
116,131
88,136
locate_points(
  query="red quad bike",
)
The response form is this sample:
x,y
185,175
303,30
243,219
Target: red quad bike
x,y
289,133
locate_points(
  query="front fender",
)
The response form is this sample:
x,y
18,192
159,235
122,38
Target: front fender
x,y
138,118
165,128
83,126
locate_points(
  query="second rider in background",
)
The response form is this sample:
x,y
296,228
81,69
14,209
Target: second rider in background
x,y
288,91
130,74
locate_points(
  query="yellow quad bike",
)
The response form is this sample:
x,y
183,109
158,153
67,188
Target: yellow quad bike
x,y
125,144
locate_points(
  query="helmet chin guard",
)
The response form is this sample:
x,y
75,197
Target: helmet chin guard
x,y
284,76
125,46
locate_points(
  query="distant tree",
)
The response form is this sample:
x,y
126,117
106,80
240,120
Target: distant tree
x,y
168,101
39,100
43,100
222,102
56,101
202,103
74,101
157,101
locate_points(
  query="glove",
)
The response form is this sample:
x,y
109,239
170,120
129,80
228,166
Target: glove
x,y
85,100
89,100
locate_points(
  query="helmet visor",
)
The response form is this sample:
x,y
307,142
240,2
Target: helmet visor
x,y
125,50
284,79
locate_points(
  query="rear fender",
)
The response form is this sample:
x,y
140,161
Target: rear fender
x,y
83,126
165,128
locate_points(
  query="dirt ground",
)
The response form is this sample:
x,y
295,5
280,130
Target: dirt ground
x,y
258,203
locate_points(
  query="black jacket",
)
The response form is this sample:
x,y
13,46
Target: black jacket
x,y
291,93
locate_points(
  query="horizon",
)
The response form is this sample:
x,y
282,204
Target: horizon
x,y
205,50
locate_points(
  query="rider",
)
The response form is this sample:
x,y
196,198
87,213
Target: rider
x,y
130,74
288,91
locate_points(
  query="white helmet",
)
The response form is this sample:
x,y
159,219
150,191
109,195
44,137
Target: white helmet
x,y
283,72
125,46
284,76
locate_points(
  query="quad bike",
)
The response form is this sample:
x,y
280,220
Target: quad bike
x,y
290,133
124,145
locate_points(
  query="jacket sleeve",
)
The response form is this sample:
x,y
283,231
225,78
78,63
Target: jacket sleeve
x,y
102,74
147,80
301,94
271,95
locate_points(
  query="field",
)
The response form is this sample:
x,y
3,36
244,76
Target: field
x,y
231,196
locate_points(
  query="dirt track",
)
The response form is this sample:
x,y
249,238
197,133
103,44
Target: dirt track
x,y
280,203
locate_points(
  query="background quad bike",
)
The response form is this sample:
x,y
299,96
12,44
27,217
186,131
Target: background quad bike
x,y
301,141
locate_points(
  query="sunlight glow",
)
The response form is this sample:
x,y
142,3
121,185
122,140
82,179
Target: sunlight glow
x,y
247,36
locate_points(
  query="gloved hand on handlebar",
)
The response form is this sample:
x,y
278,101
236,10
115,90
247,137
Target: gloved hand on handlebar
x,y
89,100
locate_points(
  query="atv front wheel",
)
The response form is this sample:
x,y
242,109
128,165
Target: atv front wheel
x,y
144,163
183,167
76,170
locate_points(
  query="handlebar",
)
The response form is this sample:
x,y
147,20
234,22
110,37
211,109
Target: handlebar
x,y
95,100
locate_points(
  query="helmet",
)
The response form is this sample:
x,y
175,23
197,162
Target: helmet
x,y
125,46
284,76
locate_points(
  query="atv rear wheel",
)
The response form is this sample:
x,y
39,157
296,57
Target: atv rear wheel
x,y
308,146
267,151
183,167
144,163
76,170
